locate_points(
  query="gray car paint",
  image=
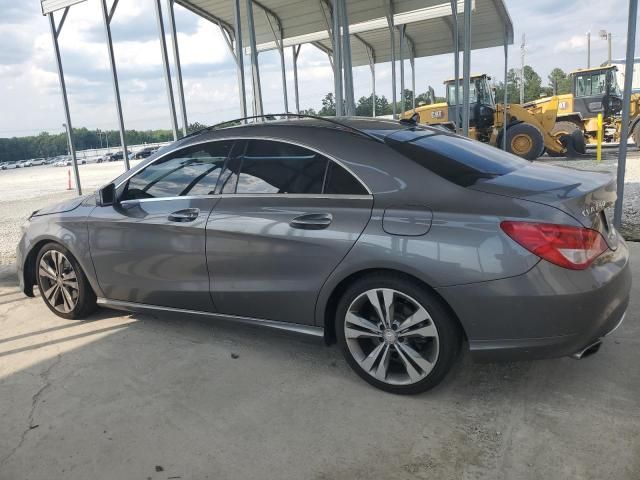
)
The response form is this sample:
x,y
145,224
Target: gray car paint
x,y
259,267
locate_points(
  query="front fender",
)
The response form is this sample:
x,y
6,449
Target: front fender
x,y
68,229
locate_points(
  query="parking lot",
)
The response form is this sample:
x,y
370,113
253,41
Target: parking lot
x,y
157,397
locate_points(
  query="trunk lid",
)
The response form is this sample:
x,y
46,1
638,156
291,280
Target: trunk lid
x,y
587,196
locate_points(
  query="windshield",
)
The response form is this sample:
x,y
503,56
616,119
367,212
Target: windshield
x,y
479,90
457,159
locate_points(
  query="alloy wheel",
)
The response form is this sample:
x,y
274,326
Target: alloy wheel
x,y
391,336
58,281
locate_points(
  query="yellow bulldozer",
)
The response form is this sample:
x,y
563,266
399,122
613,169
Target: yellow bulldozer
x,y
528,129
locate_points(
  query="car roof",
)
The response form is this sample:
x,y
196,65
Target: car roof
x,y
374,128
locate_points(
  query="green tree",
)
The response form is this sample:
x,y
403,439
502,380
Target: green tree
x,y
560,80
328,106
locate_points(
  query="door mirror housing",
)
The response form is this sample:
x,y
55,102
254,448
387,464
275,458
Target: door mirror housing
x,y
107,195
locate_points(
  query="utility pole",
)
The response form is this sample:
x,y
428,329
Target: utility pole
x,y
522,53
588,49
604,35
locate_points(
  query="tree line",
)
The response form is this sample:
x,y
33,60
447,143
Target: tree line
x,y
50,145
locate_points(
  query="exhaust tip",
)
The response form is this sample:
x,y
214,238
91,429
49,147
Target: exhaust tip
x,y
588,351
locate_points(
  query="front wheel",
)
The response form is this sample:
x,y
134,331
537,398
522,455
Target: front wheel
x,y
62,284
395,334
525,140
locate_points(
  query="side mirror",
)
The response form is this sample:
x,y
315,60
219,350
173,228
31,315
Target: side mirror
x,y
107,195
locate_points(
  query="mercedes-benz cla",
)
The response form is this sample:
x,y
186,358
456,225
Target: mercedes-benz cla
x,y
399,242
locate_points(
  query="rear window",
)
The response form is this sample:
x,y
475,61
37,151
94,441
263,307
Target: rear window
x,y
457,159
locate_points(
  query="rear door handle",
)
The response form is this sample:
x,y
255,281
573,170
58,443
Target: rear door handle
x,y
186,215
312,221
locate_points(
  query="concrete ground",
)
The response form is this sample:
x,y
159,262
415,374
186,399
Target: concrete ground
x,y
144,397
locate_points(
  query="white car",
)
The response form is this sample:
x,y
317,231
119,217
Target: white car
x,y
25,163
38,161
10,165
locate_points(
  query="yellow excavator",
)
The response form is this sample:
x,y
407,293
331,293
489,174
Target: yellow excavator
x,y
528,129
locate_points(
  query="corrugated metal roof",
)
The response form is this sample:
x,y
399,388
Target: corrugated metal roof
x,y
304,17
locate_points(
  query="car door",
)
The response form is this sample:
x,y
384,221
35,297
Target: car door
x,y
288,215
150,246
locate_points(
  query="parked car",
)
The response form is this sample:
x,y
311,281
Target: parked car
x,y
145,152
38,161
10,166
118,156
2,165
395,240
24,164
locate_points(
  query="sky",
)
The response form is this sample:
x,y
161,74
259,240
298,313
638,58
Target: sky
x,y
30,100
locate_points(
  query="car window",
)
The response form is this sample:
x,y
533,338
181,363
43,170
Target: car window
x,y
277,167
457,159
340,182
190,171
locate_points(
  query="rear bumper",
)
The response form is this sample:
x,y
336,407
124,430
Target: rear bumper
x,y
547,312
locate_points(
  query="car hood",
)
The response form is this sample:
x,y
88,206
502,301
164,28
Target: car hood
x,y
581,194
60,207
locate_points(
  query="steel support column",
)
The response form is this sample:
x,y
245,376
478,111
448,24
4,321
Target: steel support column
x,y
402,30
456,62
626,104
504,101
167,71
55,32
278,38
350,104
178,67
106,16
466,67
295,50
239,57
337,56
392,41
255,69
412,61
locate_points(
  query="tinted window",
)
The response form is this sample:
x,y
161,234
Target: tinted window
x,y
459,160
277,167
191,171
341,182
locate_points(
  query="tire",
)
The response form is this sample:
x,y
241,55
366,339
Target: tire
x,y
438,342
64,296
572,138
525,140
636,134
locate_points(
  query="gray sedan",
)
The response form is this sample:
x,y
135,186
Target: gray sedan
x,y
404,244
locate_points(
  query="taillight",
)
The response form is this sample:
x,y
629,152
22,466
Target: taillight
x,y
569,247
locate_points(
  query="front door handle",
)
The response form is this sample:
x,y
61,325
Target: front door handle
x,y
186,215
312,221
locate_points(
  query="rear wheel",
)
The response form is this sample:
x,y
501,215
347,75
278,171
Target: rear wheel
x,y
62,284
636,134
525,140
395,334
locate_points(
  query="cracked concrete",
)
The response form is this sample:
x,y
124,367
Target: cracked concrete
x,y
34,403
141,397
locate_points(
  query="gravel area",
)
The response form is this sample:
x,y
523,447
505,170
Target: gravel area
x,y
24,190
